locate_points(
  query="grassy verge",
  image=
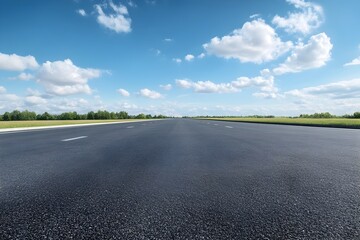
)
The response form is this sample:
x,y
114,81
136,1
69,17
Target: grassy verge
x,y
323,122
41,123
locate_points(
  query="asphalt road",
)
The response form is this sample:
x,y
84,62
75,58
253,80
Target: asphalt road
x,y
181,179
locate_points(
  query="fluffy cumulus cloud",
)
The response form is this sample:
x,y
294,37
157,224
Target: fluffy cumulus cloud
x,y
255,42
189,57
123,92
118,21
354,62
313,54
308,18
265,83
15,62
150,94
65,78
166,87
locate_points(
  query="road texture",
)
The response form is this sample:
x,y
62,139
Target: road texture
x,y
180,179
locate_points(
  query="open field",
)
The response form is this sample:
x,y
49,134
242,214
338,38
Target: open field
x,y
40,123
323,122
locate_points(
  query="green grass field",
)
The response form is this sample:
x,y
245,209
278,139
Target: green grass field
x,y
40,123
324,122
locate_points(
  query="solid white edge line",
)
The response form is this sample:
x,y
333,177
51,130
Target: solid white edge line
x,y
229,127
75,138
31,129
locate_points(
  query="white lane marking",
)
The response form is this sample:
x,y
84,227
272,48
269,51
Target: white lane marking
x,y
216,124
75,138
130,127
229,127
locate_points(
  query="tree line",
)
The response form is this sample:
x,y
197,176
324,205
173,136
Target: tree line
x,y
329,115
99,115
315,115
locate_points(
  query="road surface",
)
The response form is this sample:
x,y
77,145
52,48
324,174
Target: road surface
x,y
181,179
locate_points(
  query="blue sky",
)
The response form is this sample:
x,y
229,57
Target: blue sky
x,y
205,57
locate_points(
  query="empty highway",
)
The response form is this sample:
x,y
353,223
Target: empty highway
x,y
180,179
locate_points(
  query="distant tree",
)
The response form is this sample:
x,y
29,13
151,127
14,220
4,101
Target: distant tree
x,y
113,115
122,115
356,114
91,115
141,116
26,115
15,115
46,116
7,116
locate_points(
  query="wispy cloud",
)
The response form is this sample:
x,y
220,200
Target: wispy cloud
x,y
166,87
82,12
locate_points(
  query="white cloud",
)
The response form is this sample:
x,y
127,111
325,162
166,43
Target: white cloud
x,y
81,12
206,86
255,42
307,19
64,78
10,101
117,21
354,62
166,87
2,90
168,40
335,90
132,4
265,83
150,2
184,83
255,16
177,60
201,55
189,57
35,100
314,54
25,76
15,62
123,92
150,94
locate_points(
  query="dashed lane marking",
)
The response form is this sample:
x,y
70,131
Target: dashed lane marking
x,y
72,139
